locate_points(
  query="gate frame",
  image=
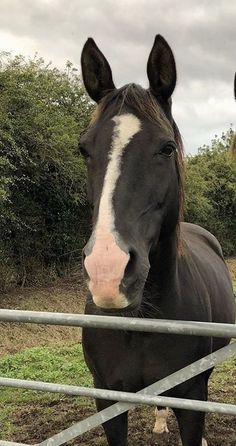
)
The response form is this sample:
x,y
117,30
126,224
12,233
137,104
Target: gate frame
x,y
126,400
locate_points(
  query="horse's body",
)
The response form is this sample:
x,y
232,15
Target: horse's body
x,y
157,278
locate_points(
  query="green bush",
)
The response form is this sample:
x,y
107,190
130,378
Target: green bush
x,y
211,190
43,209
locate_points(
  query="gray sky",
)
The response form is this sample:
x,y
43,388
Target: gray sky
x,y
201,33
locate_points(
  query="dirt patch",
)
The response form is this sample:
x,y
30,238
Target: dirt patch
x,y
41,421
64,297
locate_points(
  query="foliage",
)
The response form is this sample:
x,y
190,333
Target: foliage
x,y
211,190
43,206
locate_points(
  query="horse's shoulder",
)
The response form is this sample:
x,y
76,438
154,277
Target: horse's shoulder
x,y
198,239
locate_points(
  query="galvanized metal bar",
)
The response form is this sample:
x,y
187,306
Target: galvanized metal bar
x,y
12,443
113,395
121,323
157,388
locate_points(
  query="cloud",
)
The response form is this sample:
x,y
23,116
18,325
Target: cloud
x,y
202,35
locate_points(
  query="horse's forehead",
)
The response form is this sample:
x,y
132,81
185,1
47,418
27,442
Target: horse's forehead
x,y
126,126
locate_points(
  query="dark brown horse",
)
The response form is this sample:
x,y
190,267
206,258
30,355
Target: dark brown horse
x,y
140,260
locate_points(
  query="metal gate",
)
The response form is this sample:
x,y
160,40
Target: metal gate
x,y
148,395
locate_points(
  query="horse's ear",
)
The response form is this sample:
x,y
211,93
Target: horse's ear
x,y
161,69
96,71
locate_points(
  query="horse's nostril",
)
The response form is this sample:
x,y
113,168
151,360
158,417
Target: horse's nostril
x,y
84,255
87,249
130,267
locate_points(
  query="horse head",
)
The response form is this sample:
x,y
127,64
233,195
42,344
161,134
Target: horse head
x,y
133,154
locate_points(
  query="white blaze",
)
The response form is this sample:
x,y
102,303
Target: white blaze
x,y
126,126
107,261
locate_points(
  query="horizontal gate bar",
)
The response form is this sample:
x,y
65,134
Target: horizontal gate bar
x,y
12,443
121,323
113,395
157,388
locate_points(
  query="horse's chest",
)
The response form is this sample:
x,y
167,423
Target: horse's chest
x,y
126,361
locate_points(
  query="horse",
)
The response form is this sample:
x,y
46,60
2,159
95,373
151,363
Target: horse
x,y
141,260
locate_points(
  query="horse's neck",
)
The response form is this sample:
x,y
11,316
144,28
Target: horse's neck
x,y
162,279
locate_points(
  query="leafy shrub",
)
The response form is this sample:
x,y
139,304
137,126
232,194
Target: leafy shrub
x,y
43,208
211,190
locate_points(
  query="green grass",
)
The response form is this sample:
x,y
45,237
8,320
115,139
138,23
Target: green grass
x,y
58,364
65,364
6,426
222,382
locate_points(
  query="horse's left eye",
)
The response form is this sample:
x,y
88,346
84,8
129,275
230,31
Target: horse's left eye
x,y
168,149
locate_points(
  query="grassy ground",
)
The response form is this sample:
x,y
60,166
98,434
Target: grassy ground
x,y
54,354
30,417
64,297
61,364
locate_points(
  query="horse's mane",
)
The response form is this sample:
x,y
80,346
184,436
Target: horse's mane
x,y
145,103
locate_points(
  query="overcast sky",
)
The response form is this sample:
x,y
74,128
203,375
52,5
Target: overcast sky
x,y
201,33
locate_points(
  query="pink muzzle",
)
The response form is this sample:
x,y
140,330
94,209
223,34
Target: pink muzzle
x,y
105,267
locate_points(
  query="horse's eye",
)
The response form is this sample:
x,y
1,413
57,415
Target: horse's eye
x,y
168,149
